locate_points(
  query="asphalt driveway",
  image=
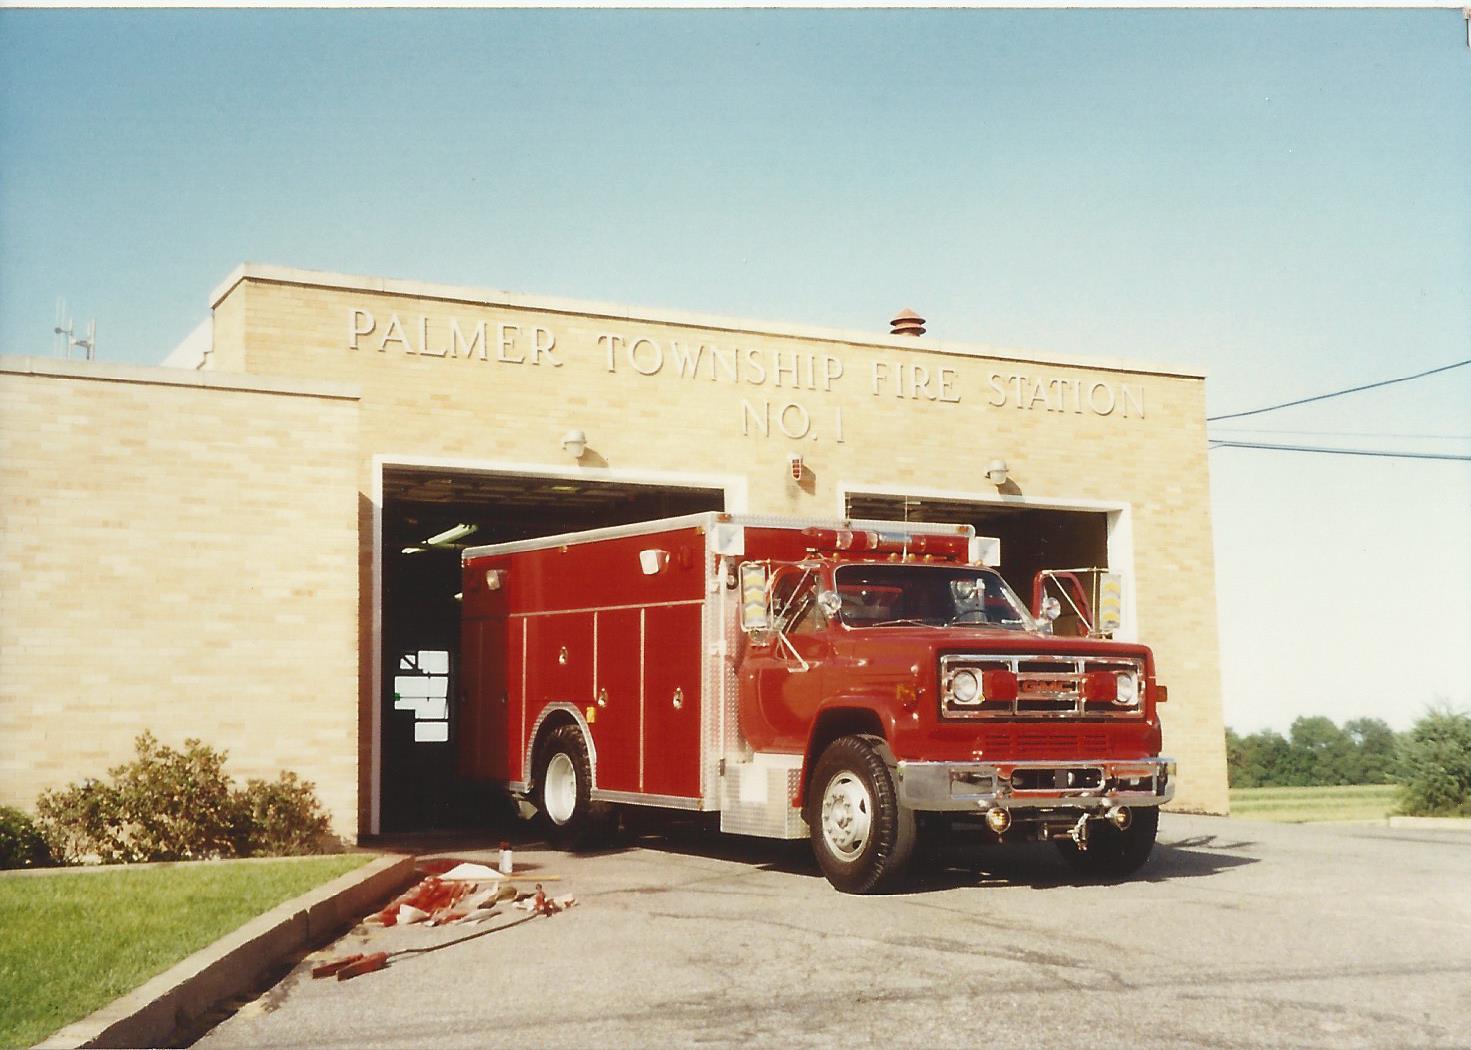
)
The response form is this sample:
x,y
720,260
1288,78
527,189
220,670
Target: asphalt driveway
x,y
1237,934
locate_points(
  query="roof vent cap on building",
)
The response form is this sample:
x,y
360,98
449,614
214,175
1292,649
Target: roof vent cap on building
x,y
907,323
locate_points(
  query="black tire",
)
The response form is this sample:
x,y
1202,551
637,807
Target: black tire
x,y
570,818
1111,853
861,837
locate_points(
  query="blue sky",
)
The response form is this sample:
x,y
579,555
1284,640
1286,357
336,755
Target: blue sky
x,y
1279,198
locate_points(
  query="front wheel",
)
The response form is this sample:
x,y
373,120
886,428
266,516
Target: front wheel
x,y
1111,853
563,796
861,836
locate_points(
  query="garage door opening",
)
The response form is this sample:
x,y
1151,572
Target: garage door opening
x,y
429,516
1032,538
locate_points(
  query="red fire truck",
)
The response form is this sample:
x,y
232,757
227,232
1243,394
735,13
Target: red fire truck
x,y
844,680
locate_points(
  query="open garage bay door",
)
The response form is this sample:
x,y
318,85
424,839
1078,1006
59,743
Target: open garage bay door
x,y
1032,538
429,516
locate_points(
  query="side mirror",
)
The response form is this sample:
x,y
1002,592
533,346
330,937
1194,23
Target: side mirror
x,y
1050,610
830,603
755,601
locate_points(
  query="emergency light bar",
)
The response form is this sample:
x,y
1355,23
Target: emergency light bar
x,y
869,541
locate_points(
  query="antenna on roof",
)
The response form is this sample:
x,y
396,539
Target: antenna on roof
x,y
65,332
61,345
88,346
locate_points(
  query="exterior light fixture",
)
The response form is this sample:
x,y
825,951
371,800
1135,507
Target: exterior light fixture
x,y
996,472
450,535
794,466
574,443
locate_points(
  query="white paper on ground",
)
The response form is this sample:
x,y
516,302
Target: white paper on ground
x,y
468,872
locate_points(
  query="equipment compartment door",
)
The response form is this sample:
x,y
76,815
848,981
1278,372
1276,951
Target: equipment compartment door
x,y
672,701
489,708
615,712
559,661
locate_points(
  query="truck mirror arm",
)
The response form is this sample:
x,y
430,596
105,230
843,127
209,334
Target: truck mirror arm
x,y
785,643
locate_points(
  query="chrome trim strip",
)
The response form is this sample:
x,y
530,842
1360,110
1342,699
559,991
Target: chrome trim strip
x,y
643,618
576,713
602,608
563,539
525,736
635,798
706,519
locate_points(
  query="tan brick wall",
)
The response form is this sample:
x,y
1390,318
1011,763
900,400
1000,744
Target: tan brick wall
x,y
179,557
491,410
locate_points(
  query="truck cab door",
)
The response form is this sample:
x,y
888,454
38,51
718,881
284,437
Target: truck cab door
x,y
781,681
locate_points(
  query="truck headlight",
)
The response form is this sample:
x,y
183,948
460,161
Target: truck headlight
x,y
1128,689
965,687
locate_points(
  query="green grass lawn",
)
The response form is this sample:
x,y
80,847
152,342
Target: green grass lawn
x,y
1297,805
73,942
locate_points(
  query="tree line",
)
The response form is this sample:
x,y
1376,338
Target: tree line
x,y
1431,761
1315,753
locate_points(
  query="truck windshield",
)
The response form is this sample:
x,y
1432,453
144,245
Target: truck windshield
x,y
934,595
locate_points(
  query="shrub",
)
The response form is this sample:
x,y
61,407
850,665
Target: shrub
x,y
1434,765
283,818
171,804
21,844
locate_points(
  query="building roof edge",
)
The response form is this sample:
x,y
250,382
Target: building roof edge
x,y
626,312
162,375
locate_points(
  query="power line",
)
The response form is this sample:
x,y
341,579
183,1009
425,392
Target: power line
x,y
1341,433
1339,393
1342,451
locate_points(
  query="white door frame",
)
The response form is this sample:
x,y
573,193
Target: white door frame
x,y
1120,527
734,487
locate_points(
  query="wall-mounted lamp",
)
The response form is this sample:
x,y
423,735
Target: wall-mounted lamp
x,y
794,465
453,534
574,443
996,472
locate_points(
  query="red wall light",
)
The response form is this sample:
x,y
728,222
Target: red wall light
x,y
1100,687
998,685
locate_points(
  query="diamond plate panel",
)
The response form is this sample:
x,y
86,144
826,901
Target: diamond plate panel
x,y
756,798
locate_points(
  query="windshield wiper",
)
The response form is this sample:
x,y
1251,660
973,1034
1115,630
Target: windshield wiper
x,y
890,623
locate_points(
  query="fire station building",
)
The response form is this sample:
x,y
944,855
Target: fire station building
x,y
257,544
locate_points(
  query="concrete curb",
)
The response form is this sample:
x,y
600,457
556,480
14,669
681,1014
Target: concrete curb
x,y
235,963
1432,823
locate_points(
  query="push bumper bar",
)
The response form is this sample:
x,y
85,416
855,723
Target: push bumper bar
x,y
1087,784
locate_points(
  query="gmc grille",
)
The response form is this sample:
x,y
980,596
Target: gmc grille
x,y
1047,687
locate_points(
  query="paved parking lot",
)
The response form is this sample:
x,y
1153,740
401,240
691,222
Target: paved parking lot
x,y
1237,935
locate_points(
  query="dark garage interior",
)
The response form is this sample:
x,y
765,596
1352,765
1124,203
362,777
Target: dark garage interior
x,y
421,581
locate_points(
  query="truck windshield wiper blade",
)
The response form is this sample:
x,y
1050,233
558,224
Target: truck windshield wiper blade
x,y
890,623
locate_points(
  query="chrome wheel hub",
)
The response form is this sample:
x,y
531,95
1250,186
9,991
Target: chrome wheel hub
x,y
560,791
847,815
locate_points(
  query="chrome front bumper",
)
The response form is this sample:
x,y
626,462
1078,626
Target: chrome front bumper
x,y
1086,784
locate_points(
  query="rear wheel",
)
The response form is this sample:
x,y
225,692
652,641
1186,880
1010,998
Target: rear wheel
x,y
572,820
1111,853
862,838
